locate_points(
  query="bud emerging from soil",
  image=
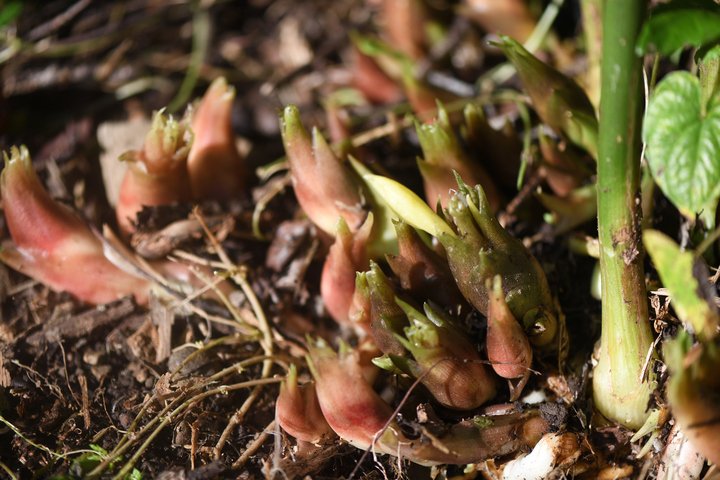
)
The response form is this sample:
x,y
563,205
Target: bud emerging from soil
x,y
298,412
324,187
217,170
446,361
482,250
359,416
387,319
360,305
421,271
500,149
372,81
558,100
347,256
443,158
478,248
157,174
52,244
508,348
351,407
422,97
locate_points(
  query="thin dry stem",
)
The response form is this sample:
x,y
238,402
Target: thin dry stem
x,y
253,446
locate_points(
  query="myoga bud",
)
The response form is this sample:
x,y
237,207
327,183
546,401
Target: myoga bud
x,y
347,256
422,271
297,410
324,187
507,17
404,22
500,150
351,407
216,168
508,348
562,168
52,244
446,362
444,158
558,100
360,417
483,249
372,81
157,174
360,305
478,248
387,319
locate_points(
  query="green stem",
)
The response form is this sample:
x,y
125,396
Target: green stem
x,y
620,392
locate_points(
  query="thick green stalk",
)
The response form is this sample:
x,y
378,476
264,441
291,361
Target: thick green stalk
x,y
619,390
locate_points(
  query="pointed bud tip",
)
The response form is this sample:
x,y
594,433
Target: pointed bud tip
x,y
291,119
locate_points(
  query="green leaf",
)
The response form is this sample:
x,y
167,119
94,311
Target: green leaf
x,y
678,24
409,207
682,139
676,269
384,238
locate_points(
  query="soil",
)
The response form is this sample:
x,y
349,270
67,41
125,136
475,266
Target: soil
x,y
78,381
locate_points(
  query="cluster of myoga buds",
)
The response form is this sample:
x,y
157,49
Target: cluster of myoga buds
x,y
467,261
358,415
179,161
443,263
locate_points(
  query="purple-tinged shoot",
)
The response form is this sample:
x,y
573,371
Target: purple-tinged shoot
x,y
483,249
562,168
216,168
478,248
500,150
324,186
359,416
52,244
505,17
508,348
297,410
404,23
157,174
347,256
422,271
387,319
354,411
